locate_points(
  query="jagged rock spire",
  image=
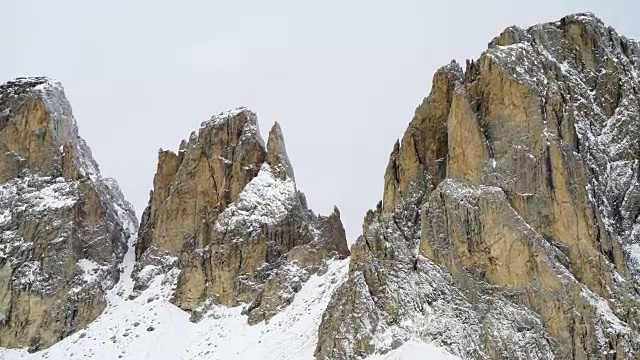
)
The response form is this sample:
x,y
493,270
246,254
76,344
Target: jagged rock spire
x,y
277,154
228,208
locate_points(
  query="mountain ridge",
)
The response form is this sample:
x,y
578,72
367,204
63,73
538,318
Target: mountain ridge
x,y
508,226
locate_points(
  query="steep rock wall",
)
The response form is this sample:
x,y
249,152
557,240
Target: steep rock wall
x,y
508,226
226,214
63,230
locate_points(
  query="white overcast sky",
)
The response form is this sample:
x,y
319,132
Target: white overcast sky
x,y
342,77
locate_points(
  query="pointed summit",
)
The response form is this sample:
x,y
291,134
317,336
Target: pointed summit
x,y
228,208
277,154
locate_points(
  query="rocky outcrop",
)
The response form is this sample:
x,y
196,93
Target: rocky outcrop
x,y
225,213
63,228
509,222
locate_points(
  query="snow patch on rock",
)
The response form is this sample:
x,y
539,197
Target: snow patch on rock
x,y
55,196
634,253
605,312
265,200
225,116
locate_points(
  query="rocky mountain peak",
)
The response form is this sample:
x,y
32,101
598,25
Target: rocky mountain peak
x,y
509,225
221,158
42,130
226,214
509,214
64,229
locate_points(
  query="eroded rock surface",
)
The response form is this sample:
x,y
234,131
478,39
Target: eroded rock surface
x,y
63,228
509,223
226,215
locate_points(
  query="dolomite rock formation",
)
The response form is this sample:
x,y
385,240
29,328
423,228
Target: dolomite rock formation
x,y
225,214
509,222
63,228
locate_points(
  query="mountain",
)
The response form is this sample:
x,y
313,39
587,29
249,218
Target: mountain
x,y
229,239
509,223
63,228
226,213
508,226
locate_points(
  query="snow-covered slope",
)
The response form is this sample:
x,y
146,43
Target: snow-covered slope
x,y
149,327
415,350
274,242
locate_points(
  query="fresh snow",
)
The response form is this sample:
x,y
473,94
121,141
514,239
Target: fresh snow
x,y
265,200
605,312
35,194
149,327
416,350
634,252
54,196
5,217
28,273
90,269
64,128
223,116
88,266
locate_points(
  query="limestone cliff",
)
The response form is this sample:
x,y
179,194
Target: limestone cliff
x,y
63,228
509,223
225,213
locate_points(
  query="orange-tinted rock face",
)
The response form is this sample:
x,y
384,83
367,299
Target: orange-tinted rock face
x,y
64,229
518,242
225,211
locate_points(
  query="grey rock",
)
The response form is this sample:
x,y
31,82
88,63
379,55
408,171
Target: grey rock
x,y
63,229
508,228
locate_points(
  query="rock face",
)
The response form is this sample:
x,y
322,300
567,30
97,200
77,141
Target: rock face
x,y
509,224
63,228
225,213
